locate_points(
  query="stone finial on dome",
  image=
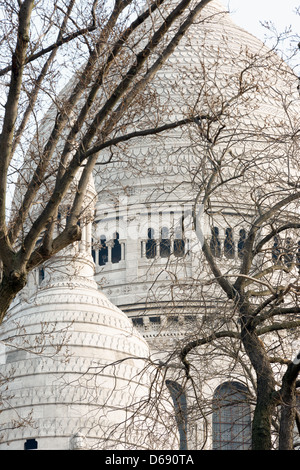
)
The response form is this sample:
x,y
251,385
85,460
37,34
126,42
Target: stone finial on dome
x,y
74,265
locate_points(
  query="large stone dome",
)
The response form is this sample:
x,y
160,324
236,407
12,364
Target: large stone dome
x,y
244,99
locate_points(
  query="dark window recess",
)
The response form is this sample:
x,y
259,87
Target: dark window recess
x,y
116,250
41,275
165,244
288,256
180,408
215,244
154,319
30,444
179,246
103,251
229,244
276,250
241,243
150,245
138,321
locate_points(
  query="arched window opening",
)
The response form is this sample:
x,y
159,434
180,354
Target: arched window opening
x,y
288,256
150,244
241,243
229,244
93,251
165,244
116,250
41,275
138,321
231,417
103,251
156,320
276,251
215,244
180,407
179,244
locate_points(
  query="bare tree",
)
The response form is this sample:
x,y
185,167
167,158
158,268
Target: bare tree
x,y
102,55
250,197
243,172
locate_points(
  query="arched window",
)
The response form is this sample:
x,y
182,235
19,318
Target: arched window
x,y
215,244
150,244
180,408
41,274
276,250
229,244
231,417
165,245
288,252
103,251
241,243
116,250
179,243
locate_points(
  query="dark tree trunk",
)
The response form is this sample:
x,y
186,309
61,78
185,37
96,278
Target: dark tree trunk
x,y
287,421
265,406
9,288
288,407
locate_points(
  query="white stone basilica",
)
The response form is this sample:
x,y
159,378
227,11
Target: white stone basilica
x,y
87,337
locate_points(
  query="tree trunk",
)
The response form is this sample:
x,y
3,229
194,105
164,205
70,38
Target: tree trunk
x,y
265,405
287,421
264,410
9,288
288,407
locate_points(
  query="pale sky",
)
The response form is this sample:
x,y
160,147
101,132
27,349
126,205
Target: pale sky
x,y
249,14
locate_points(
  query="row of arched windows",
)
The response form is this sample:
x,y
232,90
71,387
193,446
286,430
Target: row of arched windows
x,y
283,251
107,252
228,247
113,251
164,246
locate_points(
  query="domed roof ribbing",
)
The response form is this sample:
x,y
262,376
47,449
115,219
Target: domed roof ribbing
x,y
76,360
78,368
